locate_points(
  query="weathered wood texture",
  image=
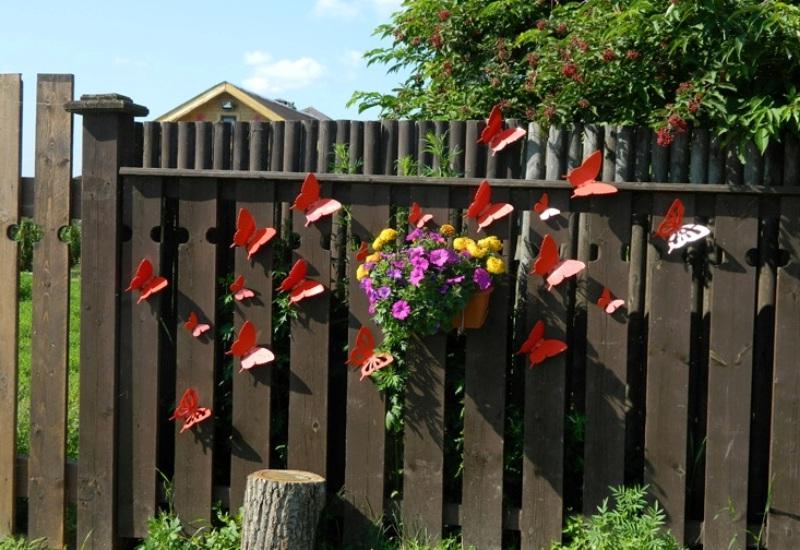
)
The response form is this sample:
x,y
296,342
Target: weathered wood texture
x,y
282,509
10,157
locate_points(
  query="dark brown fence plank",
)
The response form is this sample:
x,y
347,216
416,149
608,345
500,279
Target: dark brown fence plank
x,y
259,144
730,372
784,513
204,145
606,351
484,407
545,395
49,359
221,153
169,144
308,382
108,134
241,146
364,462
423,492
139,364
250,449
10,155
196,287
669,296
186,136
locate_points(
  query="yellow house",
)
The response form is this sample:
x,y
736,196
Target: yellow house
x,y
228,103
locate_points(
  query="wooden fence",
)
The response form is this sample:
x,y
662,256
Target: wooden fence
x,y
692,391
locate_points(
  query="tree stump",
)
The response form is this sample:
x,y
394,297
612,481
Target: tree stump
x,y
282,509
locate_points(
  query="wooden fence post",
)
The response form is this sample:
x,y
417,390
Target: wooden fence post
x,y
108,144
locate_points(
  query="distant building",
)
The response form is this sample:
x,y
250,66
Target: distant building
x,y
226,102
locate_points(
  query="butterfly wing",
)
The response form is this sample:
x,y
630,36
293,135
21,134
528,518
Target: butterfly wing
x,y
305,289
156,284
259,239
243,294
309,192
362,252
614,305
483,197
688,233
237,284
245,226
200,414
257,356
200,329
493,125
605,298
320,208
186,405
296,274
191,322
587,171
564,270
543,208
548,257
375,362
494,212
414,214
363,348
245,340
594,188
673,220
144,272
505,138
536,334
545,349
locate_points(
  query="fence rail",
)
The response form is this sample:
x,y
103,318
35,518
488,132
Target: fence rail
x,y
693,390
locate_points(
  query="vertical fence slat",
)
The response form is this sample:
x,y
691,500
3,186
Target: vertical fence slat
x,y
365,442
250,450
186,137
10,155
169,145
698,159
241,146
139,364
423,457
326,137
606,352
310,345
49,356
259,144
668,363
108,134
784,513
204,145
389,146
730,372
194,368
545,397
484,407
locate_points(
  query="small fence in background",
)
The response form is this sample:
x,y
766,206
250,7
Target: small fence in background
x,y
692,391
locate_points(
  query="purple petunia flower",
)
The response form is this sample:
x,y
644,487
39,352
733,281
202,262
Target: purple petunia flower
x,y
444,288
440,257
400,309
420,263
384,292
482,278
414,235
455,280
365,284
416,276
394,273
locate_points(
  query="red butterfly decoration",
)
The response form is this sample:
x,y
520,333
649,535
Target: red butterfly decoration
x,y
297,285
145,282
483,210
549,264
583,178
494,135
543,208
608,302
675,232
311,203
245,348
248,236
189,411
239,291
539,349
362,252
194,326
416,217
363,354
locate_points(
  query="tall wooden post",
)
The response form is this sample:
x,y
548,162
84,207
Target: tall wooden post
x,y
108,144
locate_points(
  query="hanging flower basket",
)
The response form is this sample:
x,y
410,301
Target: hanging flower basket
x,y
474,313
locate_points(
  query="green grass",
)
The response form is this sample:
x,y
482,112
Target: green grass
x,y
24,388
20,543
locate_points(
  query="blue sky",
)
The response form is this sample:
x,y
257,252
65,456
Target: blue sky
x,y
162,53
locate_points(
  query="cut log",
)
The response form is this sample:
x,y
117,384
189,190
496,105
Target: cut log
x,y
282,509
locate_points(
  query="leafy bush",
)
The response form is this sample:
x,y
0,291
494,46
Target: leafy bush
x,y
165,532
20,543
28,233
631,524
731,65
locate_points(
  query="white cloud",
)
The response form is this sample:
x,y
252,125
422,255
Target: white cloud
x,y
352,59
271,76
351,9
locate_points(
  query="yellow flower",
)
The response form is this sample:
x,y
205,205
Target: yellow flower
x,y
447,230
492,243
388,235
374,257
378,243
461,243
361,272
495,265
476,251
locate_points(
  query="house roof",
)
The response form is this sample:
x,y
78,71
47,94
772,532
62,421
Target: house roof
x,y
319,115
268,108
